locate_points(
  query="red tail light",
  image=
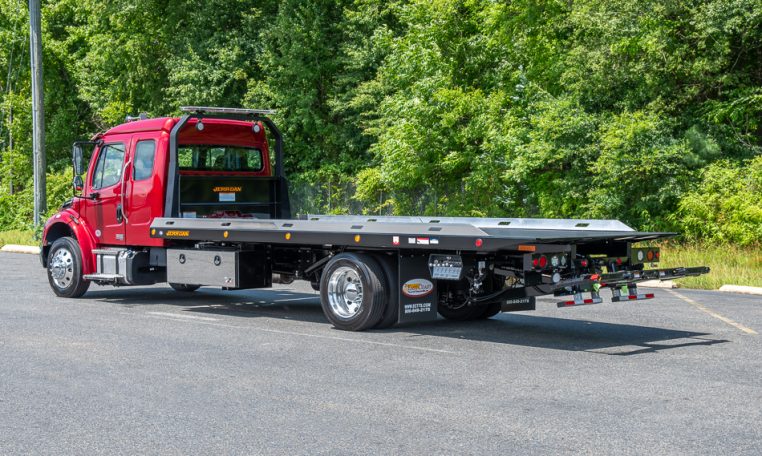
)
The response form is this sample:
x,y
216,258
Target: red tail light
x,y
543,261
535,262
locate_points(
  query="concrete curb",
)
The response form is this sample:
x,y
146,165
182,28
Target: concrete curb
x,y
12,248
658,284
741,289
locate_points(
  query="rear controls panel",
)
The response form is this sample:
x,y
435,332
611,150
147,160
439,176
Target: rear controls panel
x,y
446,267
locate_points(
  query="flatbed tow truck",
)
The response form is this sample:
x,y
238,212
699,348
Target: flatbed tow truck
x,y
200,200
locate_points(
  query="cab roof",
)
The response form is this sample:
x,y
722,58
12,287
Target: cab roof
x,y
165,124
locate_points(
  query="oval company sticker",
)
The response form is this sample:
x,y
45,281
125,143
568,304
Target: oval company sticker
x,y
417,288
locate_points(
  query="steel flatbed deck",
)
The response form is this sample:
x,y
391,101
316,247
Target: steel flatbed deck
x,y
440,233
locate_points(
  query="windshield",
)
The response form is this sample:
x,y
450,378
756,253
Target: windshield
x,y
219,158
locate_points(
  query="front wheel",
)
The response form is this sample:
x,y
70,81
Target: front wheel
x,y
65,269
353,291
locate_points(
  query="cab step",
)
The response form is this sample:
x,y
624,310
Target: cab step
x,y
110,265
104,277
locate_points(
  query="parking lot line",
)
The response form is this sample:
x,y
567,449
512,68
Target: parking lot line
x,y
177,315
714,314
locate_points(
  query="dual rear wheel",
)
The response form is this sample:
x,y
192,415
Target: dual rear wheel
x,y
355,292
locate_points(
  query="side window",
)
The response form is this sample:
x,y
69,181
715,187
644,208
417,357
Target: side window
x,y
144,155
108,169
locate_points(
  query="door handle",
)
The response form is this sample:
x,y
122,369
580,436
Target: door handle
x,y
123,208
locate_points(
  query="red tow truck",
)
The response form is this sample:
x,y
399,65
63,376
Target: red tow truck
x,y
202,200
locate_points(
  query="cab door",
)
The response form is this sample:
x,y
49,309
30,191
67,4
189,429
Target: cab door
x,y
105,191
144,188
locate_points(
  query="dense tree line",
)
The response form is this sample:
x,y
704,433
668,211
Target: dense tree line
x,y
646,111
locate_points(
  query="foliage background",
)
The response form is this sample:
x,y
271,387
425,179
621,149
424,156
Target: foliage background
x,y
645,111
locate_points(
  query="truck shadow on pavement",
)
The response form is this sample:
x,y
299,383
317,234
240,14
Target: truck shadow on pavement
x,y
517,329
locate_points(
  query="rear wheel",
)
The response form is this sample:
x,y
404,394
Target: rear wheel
x,y
184,288
494,308
453,303
391,311
65,269
462,312
491,310
353,291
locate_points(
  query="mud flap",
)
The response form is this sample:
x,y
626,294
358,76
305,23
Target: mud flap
x,y
417,290
518,304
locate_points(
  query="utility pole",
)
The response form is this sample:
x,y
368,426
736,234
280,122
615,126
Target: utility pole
x,y
38,117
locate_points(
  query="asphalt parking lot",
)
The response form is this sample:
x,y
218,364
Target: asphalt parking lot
x,y
150,370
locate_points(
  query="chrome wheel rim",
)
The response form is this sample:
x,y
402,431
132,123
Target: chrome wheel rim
x,y
62,268
345,292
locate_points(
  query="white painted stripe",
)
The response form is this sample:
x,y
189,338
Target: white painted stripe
x,y
714,314
297,299
177,315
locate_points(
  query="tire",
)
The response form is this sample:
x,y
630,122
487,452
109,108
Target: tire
x,y
473,312
494,308
453,307
491,310
65,269
184,288
353,291
391,312
466,313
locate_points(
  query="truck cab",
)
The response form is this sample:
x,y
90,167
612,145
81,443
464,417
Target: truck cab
x,y
221,168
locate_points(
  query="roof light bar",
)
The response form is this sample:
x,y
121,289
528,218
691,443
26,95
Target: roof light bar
x,y
219,110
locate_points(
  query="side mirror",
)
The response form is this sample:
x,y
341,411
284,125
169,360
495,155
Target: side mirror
x,y
76,157
78,184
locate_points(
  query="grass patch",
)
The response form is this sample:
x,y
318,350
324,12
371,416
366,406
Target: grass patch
x,y
730,265
19,237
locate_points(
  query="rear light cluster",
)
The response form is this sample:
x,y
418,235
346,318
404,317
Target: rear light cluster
x,y
646,254
550,261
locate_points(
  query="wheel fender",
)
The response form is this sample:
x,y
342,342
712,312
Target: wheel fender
x,y
68,223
